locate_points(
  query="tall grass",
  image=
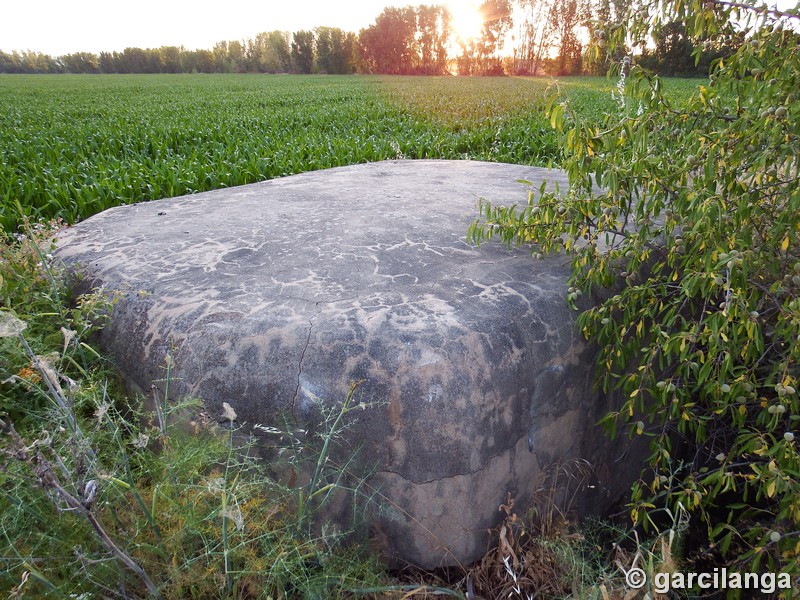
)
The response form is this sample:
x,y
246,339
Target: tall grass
x,y
100,498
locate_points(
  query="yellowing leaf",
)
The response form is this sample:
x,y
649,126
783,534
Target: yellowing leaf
x,y
785,244
771,489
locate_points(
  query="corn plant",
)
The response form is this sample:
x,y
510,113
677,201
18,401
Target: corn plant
x,y
74,146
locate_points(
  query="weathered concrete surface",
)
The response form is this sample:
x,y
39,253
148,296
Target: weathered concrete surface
x,y
275,295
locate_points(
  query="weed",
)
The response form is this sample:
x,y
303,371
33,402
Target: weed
x,y
99,497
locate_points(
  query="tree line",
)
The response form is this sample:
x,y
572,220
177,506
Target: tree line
x,y
546,37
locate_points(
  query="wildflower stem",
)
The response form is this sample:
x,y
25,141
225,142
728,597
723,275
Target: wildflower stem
x,y
49,481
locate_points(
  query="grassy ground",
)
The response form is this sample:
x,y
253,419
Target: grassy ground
x,y
99,500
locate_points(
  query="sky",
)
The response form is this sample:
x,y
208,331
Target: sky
x,y
58,27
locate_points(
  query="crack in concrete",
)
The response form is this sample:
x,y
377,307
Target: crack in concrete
x,y
300,363
319,305
487,465
425,482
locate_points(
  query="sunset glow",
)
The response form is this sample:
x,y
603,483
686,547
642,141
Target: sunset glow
x,y
467,21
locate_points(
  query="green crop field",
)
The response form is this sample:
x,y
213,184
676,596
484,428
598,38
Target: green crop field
x,y
71,146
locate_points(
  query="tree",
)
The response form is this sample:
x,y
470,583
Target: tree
x,y
433,31
389,45
675,54
534,36
302,54
268,52
603,15
276,52
133,60
555,25
335,50
480,56
496,23
236,56
108,62
33,63
8,63
80,62
565,18
687,267
170,59
198,61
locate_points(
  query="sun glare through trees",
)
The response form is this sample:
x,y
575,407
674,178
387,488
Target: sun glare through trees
x,y
466,20
455,37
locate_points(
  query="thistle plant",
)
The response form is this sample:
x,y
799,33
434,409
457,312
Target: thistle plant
x,y
70,481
